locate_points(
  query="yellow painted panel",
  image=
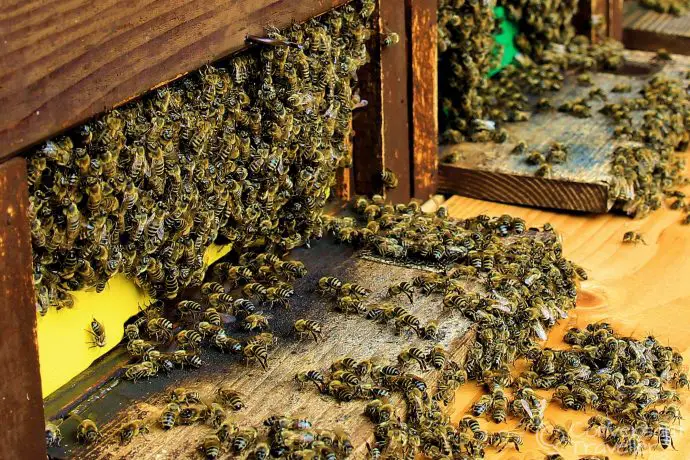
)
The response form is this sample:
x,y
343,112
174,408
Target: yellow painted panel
x,y
64,345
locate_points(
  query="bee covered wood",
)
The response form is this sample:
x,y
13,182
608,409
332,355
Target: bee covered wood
x,y
23,436
638,289
490,170
64,62
275,392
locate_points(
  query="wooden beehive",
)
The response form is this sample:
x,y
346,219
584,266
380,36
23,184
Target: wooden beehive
x,y
96,57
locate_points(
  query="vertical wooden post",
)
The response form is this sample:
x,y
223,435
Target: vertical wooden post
x,y
423,40
382,137
394,86
600,15
21,404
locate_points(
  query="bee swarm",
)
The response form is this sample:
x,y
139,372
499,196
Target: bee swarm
x,y
244,151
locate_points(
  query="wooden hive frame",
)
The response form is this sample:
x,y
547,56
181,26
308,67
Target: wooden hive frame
x,y
63,63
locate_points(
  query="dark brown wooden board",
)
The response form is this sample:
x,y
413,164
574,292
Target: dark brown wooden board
x,y
423,38
644,29
20,385
62,62
599,17
274,392
490,171
382,137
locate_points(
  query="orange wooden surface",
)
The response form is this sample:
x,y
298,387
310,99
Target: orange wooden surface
x,y
640,289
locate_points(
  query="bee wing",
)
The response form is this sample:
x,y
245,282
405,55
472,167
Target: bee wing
x,y
539,330
525,406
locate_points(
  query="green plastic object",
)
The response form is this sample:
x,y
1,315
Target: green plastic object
x,y
504,40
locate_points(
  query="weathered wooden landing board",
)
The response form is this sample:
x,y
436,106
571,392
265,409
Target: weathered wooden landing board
x,y
274,392
490,171
644,29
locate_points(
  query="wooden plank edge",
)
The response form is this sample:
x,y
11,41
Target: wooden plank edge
x,y
55,119
651,41
20,387
524,190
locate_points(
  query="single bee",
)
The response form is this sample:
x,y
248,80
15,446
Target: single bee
x,y
681,380
226,431
482,405
169,416
211,446
189,338
352,289
97,332
315,377
559,436
192,414
413,354
188,308
305,326
389,178
230,398
243,439
502,438
255,321
403,287
131,429
257,351
53,434
631,237
87,432
329,284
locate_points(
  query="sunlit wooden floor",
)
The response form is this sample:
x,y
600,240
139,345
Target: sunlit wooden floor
x,y
640,289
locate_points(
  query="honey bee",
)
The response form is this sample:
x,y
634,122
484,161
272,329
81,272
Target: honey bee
x,y
403,287
389,179
97,332
132,429
243,439
53,434
632,237
312,328
257,351
559,436
169,416
87,432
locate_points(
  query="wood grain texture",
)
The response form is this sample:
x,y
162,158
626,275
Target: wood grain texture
x,y
640,290
644,29
367,123
274,392
423,37
597,17
382,137
491,171
395,98
63,62
20,385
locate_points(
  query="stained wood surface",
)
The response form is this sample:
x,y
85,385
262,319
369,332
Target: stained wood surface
x,y
645,29
599,17
490,171
62,62
20,385
640,289
274,392
382,137
423,38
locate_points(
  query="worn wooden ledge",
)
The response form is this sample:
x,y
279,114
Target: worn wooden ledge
x,y
644,29
491,171
273,392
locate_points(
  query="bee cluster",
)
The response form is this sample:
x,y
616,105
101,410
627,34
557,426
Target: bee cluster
x,y
245,151
622,377
675,7
646,167
226,310
515,92
541,24
464,46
